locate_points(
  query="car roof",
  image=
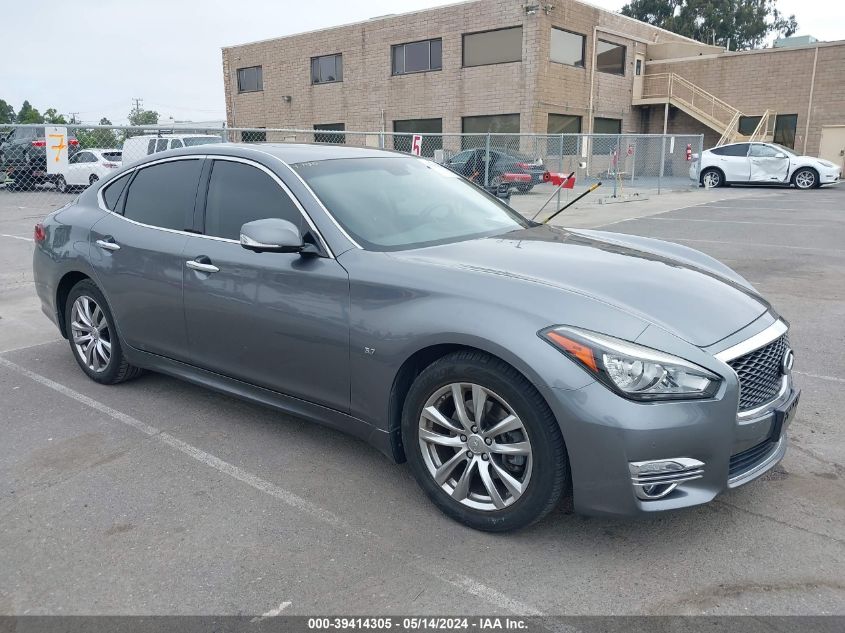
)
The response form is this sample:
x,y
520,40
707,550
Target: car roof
x,y
286,152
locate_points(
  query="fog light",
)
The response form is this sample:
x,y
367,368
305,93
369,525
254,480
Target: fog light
x,y
656,479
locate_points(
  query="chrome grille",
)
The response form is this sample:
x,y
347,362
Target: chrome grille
x,y
760,373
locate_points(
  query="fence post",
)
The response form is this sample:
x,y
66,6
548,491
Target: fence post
x,y
487,162
560,170
700,151
662,163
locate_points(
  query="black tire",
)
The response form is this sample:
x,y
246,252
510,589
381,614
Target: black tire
x,y
92,179
550,466
61,184
716,177
523,188
118,368
803,175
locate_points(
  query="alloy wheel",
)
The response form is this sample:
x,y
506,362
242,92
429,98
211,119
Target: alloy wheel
x,y
91,334
475,446
711,179
805,179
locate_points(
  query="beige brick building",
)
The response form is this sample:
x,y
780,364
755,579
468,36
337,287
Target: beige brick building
x,y
524,66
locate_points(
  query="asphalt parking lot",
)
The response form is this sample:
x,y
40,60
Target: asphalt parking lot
x,y
158,497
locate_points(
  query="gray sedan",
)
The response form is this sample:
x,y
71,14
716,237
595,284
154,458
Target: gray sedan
x,y
509,363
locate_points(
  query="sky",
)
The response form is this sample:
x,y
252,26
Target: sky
x,y
94,56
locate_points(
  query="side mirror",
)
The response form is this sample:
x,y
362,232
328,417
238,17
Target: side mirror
x,y
274,235
780,155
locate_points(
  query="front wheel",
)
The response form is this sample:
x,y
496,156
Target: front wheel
x,y
93,337
61,184
712,178
806,178
483,443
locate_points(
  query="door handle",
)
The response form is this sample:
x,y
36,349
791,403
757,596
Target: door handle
x,y
108,245
200,266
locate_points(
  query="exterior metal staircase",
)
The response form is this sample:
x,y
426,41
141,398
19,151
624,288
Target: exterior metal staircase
x,y
695,101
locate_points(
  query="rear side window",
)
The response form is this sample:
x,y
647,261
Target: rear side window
x,y
151,146
238,194
163,195
740,149
111,195
161,145
175,143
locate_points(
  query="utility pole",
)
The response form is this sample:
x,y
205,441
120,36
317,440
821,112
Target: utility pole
x,y
136,104
73,116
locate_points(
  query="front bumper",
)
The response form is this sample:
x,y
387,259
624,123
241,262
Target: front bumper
x,y
830,176
605,434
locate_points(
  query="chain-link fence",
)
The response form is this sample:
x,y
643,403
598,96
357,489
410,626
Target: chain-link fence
x,y
51,164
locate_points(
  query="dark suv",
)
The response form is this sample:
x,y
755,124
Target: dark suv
x,y
23,156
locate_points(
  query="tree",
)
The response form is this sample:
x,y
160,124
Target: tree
x,y
28,114
51,116
7,112
735,24
99,137
143,117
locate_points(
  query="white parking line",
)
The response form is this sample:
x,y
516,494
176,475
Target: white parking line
x,y
272,613
766,208
17,237
466,583
820,377
819,226
772,246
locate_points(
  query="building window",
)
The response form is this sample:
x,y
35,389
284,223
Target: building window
x,y
492,124
250,79
567,47
327,69
493,47
606,144
417,57
253,136
747,124
331,133
404,130
785,125
607,126
563,124
610,58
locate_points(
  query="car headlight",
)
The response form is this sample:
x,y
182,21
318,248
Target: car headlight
x,y
631,370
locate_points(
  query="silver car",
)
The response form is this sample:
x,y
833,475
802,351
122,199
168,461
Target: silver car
x,y
509,363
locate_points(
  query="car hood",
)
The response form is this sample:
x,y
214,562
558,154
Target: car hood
x,y
676,288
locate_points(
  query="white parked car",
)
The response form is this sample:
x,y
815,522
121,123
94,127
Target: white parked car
x,y
137,147
87,166
762,163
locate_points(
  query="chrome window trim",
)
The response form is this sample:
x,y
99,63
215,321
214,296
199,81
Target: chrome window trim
x,y
234,159
761,339
320,202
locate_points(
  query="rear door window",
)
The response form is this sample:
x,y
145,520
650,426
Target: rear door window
x,y
111,195
739,149
163,195
175,143
239,193
161,145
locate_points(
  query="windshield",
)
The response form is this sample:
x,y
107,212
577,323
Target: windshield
x,y
398,203
191,141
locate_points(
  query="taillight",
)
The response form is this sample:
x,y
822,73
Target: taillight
x,y
111,165
73,142
524,165
39,143
40,234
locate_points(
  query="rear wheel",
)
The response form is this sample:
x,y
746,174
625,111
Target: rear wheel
x,y
92,179
805,178
483,443
61,184
712,178
93,338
